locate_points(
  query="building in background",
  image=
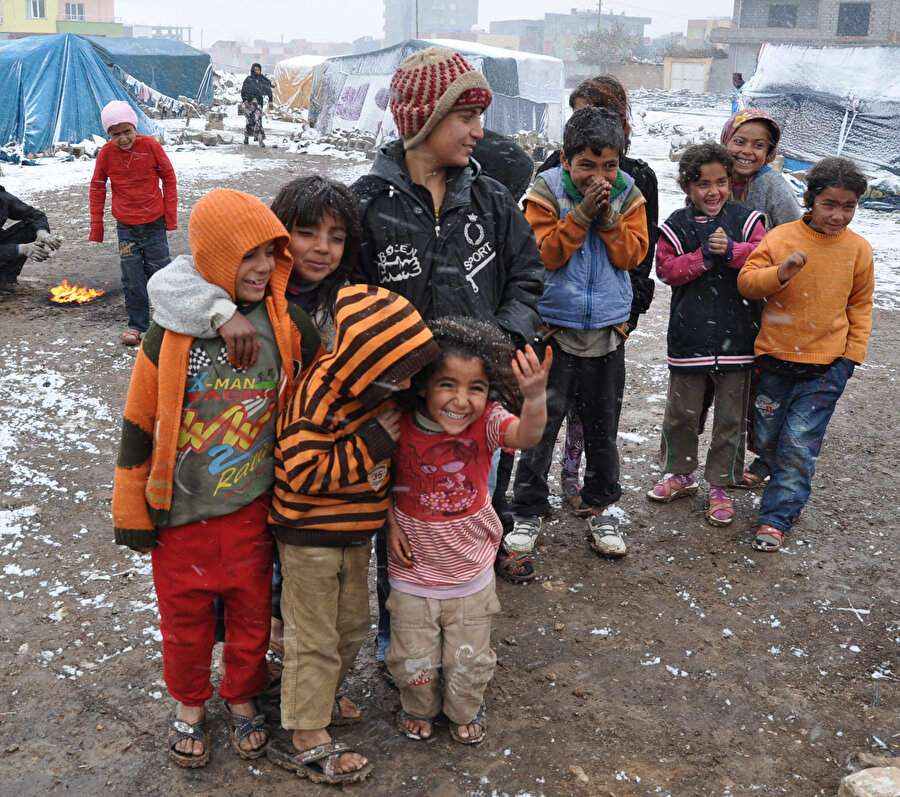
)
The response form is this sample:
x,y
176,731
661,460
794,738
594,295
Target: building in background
x,y
20,18
427,19
236,56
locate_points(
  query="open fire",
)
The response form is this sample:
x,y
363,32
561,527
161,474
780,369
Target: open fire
x,y
64,293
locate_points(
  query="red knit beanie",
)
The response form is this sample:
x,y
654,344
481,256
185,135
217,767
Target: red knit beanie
x,y
428,85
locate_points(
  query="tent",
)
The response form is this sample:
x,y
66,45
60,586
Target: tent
x,y
54,90
293,80
170,66
831,101
352,91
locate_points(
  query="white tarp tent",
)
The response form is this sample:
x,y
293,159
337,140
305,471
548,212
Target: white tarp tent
x,y
293,80
352,91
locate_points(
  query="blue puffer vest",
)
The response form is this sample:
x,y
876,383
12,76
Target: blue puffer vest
x,y
588,292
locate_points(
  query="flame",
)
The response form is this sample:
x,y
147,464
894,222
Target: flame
x,y
64,293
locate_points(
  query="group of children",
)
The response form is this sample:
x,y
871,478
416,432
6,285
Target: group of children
x,y
324,374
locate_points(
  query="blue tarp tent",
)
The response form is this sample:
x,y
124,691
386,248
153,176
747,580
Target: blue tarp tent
x,y
54,90
170,66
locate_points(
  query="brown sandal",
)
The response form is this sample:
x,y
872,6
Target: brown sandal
x,y
768,539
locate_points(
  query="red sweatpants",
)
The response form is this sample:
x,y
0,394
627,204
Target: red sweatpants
x,y
229,556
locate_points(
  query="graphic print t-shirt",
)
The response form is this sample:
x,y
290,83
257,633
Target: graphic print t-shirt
x,y
442,503
227,437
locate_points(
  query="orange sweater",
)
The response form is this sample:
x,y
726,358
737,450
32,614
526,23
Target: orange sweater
x,y
821,313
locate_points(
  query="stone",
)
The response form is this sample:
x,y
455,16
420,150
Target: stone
x,y
874,782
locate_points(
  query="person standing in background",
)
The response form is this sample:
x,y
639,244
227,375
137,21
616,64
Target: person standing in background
x,y
255,88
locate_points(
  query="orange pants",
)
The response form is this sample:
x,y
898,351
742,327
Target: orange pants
x,y
231,557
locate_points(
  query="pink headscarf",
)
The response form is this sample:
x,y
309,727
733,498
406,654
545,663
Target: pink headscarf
x,y
753,115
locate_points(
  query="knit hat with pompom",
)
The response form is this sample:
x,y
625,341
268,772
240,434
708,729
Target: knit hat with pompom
x,y
428,85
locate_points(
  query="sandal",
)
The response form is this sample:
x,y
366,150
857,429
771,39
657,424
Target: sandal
x,y
720,511
515,567
339,718
768,539
131,337
478,720
318,763
675,486
180,730
403,716
242,727
572,496
750,481
268,700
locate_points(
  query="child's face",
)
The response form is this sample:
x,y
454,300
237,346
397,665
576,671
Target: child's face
x,y
454,138
589,167
749,147
456,393
122,135
254,273
832,210
710,193
317,250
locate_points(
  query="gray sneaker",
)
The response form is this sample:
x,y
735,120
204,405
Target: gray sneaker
x,y
606,538
524,535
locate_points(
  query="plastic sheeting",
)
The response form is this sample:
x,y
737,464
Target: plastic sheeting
x,y
54,90
832,101
293,80
352,91
170,66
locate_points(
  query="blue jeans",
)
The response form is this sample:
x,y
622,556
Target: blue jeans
x,y
790,419
143,250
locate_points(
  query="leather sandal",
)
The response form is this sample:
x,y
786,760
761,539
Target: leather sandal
x,y
669,489
768,539
719,504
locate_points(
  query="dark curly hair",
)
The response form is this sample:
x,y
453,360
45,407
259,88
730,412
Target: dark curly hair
x,y
605,91
594,129
833,173
303,202
470,339
700,155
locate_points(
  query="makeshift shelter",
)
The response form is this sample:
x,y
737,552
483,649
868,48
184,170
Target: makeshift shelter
x,y
352,91
293,80
54,90
169,66
831,101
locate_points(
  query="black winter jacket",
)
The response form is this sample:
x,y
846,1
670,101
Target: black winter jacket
x,y
11,207
642,284
478,259
256,88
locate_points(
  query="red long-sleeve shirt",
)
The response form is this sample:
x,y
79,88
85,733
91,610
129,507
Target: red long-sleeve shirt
x,y
135,176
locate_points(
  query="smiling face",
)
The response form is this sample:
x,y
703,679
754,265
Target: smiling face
x,y
317,250
749,146
587,167
254,273
454,138
122,135
832,210
710,192
456,393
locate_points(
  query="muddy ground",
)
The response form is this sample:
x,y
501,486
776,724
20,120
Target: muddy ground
x,y
693,666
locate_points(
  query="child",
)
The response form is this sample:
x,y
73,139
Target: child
x,y
134,166
195,469
331,494
444,533
589,221
30,238
711,329
817,278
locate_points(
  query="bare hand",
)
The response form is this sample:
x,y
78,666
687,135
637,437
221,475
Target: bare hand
x,y
240,341
398,548
791,265
718,242
390,421
531,373
596,200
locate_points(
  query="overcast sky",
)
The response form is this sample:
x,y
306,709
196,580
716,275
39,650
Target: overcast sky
x,y
346,20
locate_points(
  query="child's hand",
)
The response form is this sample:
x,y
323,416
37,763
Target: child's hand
x,y
531,373
718,242
390,421
596,200
240,341
398,546
791,265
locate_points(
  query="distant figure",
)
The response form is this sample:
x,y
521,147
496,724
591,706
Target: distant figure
x,y
255,88
30,238
737,80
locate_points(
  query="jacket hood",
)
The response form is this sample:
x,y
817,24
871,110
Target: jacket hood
x,y
224,226
380,340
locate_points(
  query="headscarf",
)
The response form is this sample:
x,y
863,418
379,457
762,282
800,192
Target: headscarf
x,y
753,115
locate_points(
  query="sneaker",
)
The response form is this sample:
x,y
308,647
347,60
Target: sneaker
x,y
606,538
572,495
523,535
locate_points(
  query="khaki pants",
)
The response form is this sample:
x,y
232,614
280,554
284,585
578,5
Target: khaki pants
x,y
325,604
440,655
681,438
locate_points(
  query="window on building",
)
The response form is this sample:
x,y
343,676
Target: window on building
x,y
34,9
853,19
782,16
75,12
